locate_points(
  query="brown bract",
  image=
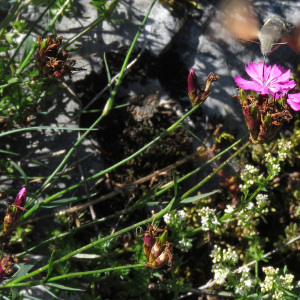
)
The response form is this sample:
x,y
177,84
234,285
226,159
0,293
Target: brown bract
x,y
11,219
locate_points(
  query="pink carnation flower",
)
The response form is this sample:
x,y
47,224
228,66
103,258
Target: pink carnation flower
x,y
271,80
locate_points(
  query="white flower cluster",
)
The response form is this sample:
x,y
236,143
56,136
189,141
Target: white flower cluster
x,y
273,165
224,256
245,217
221,273
245,282
228,209
284,146
176,220
249,175
222,260
276,284
178,216
208,216
185,244
262,202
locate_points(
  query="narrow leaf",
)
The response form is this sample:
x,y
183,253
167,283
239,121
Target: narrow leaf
x,y
198,197
50,268
63,287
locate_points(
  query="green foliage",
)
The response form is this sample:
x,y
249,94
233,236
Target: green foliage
x,y
221,236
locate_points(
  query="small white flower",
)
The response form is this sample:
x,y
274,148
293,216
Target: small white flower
x,y
182,215
167,218
229,209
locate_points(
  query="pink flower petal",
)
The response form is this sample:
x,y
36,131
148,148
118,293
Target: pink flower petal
x,y
266,79
247,84
294,101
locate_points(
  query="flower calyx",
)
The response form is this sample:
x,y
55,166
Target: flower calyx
x,y
157,250
14,212
264,116
199,94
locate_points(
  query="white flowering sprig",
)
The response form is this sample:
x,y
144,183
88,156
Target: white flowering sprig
x,y
224,260
276,284
245,282
250,175
209,219
273,163
177,222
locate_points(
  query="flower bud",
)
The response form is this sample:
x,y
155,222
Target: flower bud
x,y
149,241
196,96
192,87
192,82
14,212
21,197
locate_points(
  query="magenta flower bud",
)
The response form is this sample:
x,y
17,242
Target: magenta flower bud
x,y
192,82
21,197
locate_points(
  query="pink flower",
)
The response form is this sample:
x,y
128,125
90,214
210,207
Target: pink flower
x,y
266,79
294,101
271,80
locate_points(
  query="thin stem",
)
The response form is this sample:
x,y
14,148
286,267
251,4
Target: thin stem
x,y
105,112
100,19
124,211
211,175
39,128
76,274
201,183
95,243
165,133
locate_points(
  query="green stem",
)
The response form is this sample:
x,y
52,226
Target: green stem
x,y
131,209
201,167
48,28
39,128
2,86
76,274
166,132
100,19
95,243
211,175
105,112
201,183
74,230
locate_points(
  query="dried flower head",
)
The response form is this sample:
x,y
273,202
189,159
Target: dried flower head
x,y
51,62
6,265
